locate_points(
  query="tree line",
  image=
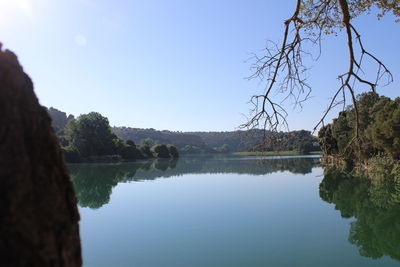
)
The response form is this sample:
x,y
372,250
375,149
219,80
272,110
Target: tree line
x,y
301,141
203,142
378,140
90,138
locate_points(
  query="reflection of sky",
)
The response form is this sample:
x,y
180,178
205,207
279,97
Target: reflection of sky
x,y
219,220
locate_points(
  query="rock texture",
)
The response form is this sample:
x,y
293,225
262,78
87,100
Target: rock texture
x,y
38,209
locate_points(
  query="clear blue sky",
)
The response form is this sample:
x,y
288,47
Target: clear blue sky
x,y
176,64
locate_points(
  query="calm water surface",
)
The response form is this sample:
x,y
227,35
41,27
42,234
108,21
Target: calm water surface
x,y
239,211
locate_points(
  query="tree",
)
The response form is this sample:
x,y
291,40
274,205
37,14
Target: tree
x,y
327,142
386,129
379,119
283,71
130,151
91,135
160,151
301,141
145,151
173,151
130,143
148,141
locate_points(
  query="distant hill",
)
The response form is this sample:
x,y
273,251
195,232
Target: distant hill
x,y
302,141
178,139
236,140
206,142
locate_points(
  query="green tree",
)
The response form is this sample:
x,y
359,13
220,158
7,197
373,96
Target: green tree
x,y
145,150
173,151
130,143
342,130
379,125
130,151
327,141
160,151
91,135
386,129
148,141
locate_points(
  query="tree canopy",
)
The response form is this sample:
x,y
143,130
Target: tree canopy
x,y
91,135
379,126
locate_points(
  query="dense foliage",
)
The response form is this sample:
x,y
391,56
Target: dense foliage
x,y
80,140
91,135
379,131
302,141
236,140
160,151
152,137
90,138
173,151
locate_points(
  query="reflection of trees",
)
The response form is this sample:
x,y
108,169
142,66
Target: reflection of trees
x,y
375,205
94,182
246,165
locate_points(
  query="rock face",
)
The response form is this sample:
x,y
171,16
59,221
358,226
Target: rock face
x,y
59,119
38,209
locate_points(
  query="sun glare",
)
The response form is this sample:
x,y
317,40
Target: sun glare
x,y
12,8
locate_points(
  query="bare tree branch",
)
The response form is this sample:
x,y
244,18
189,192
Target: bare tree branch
x,y
282,69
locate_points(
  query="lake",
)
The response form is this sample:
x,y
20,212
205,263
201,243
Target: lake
x,y
234,211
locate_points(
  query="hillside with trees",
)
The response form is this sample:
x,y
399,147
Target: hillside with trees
x,y
179,139
367,138
301,141
195,142
90,138
235,140
122,140
226,141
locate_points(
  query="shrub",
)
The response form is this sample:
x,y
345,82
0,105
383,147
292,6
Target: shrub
x,y
160,151
173,151
145,151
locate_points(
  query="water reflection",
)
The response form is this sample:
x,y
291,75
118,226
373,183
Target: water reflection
x,y
374,205
94,182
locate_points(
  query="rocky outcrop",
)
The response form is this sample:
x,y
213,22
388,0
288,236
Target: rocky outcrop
x,y
38,211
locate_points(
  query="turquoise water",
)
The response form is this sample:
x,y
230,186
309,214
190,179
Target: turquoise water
x,y
239,211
